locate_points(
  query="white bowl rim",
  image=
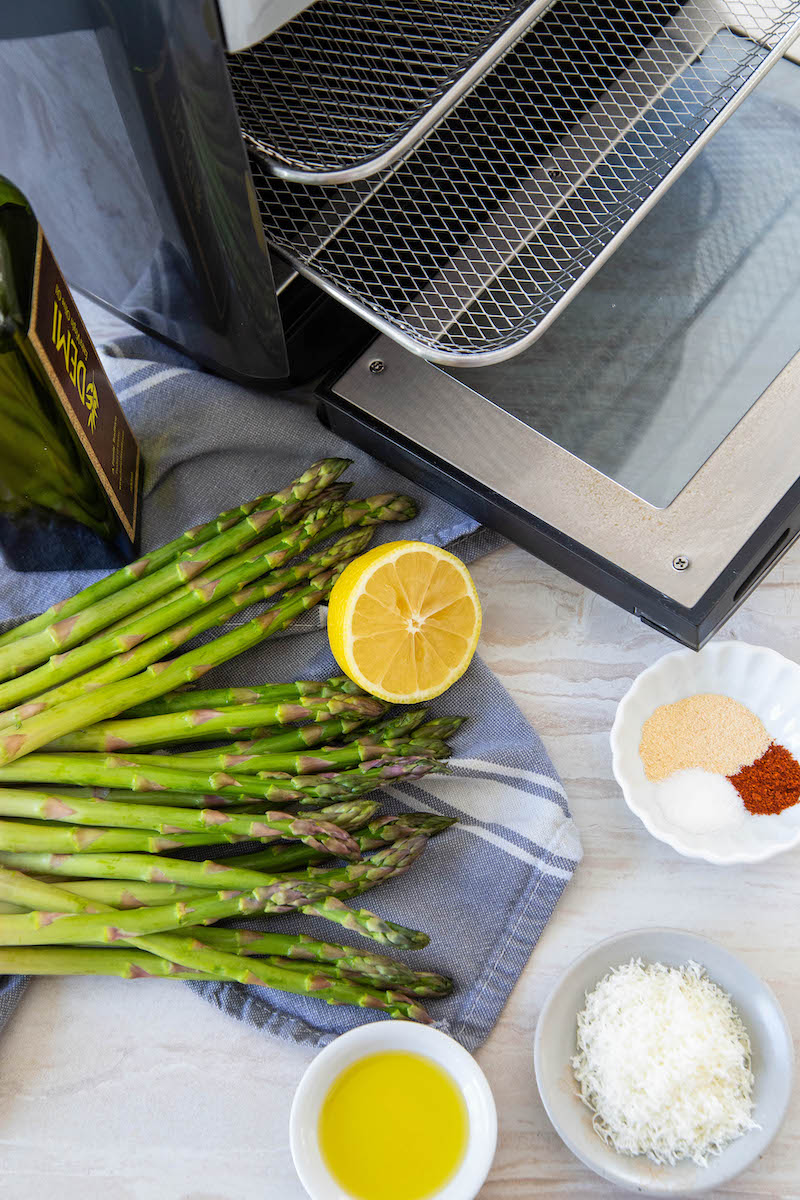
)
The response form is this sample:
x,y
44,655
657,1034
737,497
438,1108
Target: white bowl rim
x,y
394,1035
662,835
605,945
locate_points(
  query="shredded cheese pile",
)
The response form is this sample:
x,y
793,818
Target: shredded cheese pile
x,y
663,1062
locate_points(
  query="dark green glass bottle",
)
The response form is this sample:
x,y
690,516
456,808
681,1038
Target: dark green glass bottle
x,y
70,468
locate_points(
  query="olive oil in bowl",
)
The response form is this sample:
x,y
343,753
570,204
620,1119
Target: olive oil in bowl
x,y
393,1110
393,1126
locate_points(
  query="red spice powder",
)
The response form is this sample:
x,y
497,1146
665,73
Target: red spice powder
x,y
771,783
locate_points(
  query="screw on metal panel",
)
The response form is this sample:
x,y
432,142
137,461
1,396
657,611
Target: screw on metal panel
x,y
377,366
680,562
556,175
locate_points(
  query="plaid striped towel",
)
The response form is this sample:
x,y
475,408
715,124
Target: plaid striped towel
x,y
486,888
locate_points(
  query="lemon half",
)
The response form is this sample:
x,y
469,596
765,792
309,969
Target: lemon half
x,y
404,621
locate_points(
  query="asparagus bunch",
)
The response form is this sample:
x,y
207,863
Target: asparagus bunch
x,y
100,703
195,594
130,662
71,919
309,484
35,729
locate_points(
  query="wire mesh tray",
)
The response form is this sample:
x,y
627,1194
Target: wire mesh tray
x,y
469,248
349,86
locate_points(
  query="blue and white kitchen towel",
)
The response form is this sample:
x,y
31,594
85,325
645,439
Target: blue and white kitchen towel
x,y
485,889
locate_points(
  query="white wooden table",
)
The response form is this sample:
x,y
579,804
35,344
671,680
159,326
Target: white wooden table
x,y
142,1091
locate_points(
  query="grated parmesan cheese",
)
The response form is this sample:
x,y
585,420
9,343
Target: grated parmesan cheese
x,y
663,1062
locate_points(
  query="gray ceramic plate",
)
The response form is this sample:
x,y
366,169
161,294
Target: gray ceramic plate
x,y
773,1061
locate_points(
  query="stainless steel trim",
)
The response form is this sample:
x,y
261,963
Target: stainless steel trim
x,y
453,311
708,522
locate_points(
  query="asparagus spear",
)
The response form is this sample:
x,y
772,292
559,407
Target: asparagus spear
x,y
369,924
99,770
269,693
426,985
319,834
326,759
309,484
349,961
442,728
18,656
126,963
161,677
176,799
146,868
22,837
138,964
209,723
311,981
296,738
391,828
125,665
130,894
378,832
65,928
359,877
386,734
36,894
357,780
356,878
347,814
231,576
311,735
42,897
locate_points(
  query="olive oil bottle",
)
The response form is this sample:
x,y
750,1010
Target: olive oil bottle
x,y
70,468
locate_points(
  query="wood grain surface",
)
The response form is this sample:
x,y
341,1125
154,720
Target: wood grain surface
x,y
138,1091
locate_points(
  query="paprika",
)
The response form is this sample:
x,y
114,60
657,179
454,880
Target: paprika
x,y
771,783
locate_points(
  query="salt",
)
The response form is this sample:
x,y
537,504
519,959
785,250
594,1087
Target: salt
x,y
700,801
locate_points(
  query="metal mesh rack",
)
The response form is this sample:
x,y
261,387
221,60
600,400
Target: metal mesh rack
x,y
468,249
349,86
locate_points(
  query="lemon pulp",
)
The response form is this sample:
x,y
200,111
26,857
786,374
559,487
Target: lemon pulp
x,y
404,621
393,1126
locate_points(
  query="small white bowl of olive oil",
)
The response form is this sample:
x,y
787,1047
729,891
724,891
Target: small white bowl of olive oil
x,y
393,1111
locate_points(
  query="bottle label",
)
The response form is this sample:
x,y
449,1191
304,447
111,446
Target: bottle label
x,y
68,355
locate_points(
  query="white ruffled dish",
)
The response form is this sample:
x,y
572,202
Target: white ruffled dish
x,y
761,679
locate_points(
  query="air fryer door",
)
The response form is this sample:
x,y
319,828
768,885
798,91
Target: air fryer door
x,y
646,443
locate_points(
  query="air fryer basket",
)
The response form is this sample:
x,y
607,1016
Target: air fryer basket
x,y
468,248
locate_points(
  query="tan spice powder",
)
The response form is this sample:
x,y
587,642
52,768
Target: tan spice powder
x,y
714,733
